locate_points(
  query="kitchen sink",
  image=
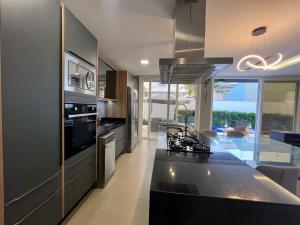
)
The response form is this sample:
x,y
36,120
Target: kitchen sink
x,y
174,130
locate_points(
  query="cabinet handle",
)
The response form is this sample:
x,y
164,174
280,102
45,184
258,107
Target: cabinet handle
x,y
36,208
80,159
77,175
31,190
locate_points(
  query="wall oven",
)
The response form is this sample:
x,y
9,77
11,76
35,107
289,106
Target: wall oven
x,y
80,76
80,127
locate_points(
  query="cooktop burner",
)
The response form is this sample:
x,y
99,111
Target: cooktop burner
x,y
180,142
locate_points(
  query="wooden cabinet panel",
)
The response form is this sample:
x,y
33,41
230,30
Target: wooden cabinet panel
x,y
119,108
111,88
107,81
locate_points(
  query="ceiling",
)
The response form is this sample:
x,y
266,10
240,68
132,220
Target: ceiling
x,y
131,30
229,24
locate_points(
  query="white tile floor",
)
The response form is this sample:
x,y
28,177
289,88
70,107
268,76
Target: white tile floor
x,y
125,199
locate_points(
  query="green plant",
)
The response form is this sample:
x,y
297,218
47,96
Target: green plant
x,y
181,116
220,118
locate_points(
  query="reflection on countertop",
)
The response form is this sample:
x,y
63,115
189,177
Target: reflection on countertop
x,y
258,151
107,124
221,187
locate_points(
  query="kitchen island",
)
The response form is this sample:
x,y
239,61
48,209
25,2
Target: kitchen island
x,y
215,189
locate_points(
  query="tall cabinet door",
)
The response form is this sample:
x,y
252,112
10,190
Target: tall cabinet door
x,y
31,90
79,40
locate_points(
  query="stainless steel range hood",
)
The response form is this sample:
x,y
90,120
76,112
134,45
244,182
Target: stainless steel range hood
x,y
189,64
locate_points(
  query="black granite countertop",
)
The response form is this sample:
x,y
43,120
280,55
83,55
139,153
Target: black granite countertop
x,y
216,189
107,124
220,175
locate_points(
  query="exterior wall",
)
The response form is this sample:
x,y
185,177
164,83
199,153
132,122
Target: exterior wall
x,y
160,110
206,100
249,106
235,106
287,108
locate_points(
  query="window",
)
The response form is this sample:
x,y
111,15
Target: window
x,y
278,107
159,103
234,105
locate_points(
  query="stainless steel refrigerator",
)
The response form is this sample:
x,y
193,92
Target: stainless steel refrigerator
x,y
132,105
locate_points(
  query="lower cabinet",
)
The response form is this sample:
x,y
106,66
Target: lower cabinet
x,y
47,213
120,140
120,147
80,175
44,199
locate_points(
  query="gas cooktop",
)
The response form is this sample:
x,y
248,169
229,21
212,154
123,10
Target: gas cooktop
x,y
184,142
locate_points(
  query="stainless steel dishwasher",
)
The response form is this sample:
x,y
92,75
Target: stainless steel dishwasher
x,y
105,159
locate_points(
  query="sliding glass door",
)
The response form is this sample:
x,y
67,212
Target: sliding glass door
x,y
183,95
235,106
278,107
146,109
159,104
158,107
254,106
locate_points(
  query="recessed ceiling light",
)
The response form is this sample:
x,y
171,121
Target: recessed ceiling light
x,y
144,61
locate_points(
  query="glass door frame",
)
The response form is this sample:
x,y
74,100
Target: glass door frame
x,y
260,96
141,93
262,82
258,101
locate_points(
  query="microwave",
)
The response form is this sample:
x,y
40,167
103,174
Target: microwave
x,y
80,76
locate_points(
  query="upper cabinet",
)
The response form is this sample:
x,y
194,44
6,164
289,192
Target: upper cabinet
x,y
79,40
107,81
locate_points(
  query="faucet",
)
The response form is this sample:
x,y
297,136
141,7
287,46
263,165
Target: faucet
x,y
186,117
186,114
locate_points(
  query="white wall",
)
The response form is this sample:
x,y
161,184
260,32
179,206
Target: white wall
x,y
235,106
206,100
287,108
160,110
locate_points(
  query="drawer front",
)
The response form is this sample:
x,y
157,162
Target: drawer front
x,y
120,133
18,208
76,188
47,213
76,164
120,147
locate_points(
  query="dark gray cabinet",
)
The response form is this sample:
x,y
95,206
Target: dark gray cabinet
x,y
120,140
31,81
288,137
79,40
80,175
45,213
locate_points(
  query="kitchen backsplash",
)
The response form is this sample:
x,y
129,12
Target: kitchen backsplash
x,y
101,109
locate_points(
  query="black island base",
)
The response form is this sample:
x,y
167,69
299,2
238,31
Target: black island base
x,y
215,189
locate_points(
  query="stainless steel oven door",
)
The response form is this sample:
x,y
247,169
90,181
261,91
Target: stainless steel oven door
x,y
80,77
80,133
